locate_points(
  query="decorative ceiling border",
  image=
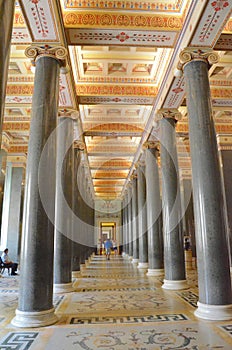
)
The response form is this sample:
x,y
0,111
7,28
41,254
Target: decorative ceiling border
x,y
116,100
224,42
176,94
20,36
220,128
221,96
222,102
115,90
157,6
78,36
122,20
65,99
16,126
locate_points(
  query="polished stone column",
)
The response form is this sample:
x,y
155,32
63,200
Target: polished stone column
x,y
155,236
3,156
225,153
83,215
35,307
130,238
10,230
124,226
135,222
6,25
76,246
188,216
215,295
142,218
64,206
172,226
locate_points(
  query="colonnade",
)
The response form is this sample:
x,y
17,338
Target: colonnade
x,y
57,218
157,244
212,248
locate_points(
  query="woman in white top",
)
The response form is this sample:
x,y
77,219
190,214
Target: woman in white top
x,y
8,263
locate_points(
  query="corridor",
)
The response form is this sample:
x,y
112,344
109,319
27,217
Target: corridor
x,y
115,306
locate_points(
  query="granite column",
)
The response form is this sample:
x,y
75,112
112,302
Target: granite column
x,y
135,221
35,308
130,239
155,236
64,206
215,295
76,246
172,225
142,218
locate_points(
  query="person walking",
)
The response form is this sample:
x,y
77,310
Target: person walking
x,y
108,245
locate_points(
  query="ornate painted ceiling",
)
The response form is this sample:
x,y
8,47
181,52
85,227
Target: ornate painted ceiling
x,y
122,58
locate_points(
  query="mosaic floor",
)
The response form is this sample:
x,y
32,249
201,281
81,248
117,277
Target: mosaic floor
x,y
115,306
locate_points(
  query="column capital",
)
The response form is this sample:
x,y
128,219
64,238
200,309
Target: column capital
x,y
80,145
68,113
59,53
165,113
5,142
151,144
133,176
197,54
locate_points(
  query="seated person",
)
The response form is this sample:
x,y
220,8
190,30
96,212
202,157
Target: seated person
x,y
8,263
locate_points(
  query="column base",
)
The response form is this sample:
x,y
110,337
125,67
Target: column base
x,y
214,312
155,272
82,266
28,319
126,256
76,274
175,285
194,262
135,261
63,288
142,265
188,259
